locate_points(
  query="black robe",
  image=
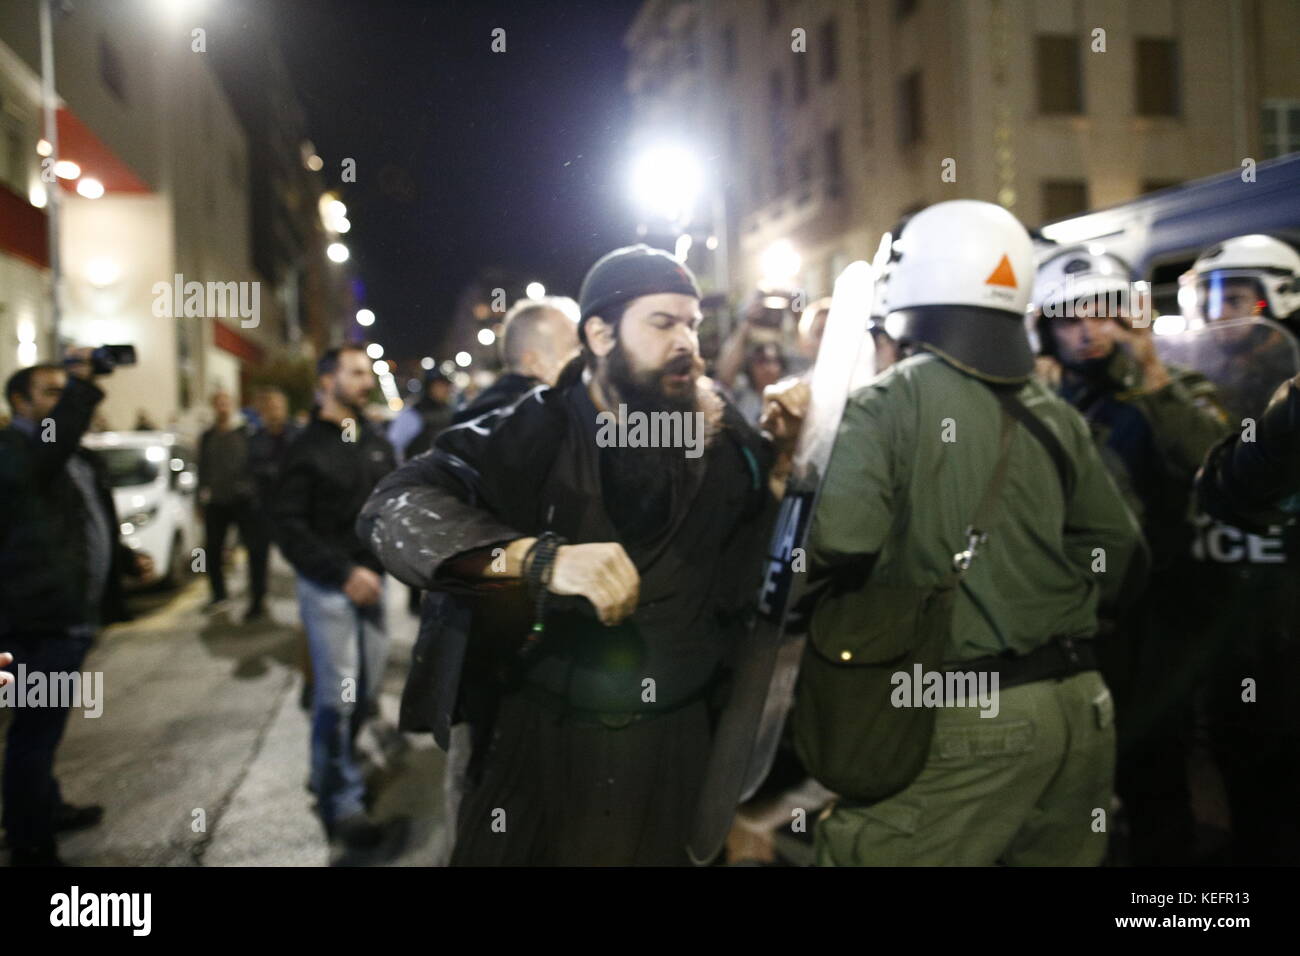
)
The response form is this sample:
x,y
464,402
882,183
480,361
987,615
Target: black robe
x,y
536,466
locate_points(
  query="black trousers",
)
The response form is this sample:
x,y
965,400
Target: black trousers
x,y
555,792
254,534
31,794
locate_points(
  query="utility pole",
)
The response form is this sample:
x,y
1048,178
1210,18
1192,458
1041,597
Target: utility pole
x,y
50,106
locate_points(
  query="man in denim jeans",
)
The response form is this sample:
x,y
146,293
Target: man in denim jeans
x,y
329,471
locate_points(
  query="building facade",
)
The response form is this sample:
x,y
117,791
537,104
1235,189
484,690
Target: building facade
x,y
822,122
161,257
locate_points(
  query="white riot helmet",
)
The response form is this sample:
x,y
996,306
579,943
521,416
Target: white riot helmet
x,y
1069,278
1246,276
959,282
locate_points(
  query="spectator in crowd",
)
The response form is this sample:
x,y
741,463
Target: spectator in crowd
x,y
329,471
227,497
61,564
267,446
539,338
752,359
419,423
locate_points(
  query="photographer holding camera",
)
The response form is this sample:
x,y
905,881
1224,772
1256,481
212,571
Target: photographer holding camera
x,y
752,357
60,567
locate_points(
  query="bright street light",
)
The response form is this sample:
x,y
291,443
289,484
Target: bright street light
x,y
486,336
426,363
90,188
337,252
380,367
365,317
535,290
67,169
666,181
375,350
463,359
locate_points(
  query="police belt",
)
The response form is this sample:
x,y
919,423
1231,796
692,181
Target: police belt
x,y
1059,658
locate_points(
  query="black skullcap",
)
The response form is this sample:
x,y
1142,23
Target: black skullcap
x,y
628,273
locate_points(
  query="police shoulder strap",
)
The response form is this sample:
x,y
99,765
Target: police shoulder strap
x,y
978,530
1037,428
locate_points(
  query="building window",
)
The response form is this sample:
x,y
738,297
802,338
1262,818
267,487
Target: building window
x,y
830,62
910,126
831,156
800,83
1064,197
110,69
1279,128
1060,82
1157,77
728,44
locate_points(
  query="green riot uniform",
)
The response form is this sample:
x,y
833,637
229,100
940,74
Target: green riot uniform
x,y
914,452
1154,441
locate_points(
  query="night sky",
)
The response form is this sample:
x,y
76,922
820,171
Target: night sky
x,y
465,158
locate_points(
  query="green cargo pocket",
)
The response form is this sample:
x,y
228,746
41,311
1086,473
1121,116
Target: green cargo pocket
x,y
963,743
872,627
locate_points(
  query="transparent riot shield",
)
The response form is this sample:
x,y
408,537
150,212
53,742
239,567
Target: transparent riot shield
x,y
1246,359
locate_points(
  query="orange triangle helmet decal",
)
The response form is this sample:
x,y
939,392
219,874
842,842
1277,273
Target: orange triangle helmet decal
x,y
1003,274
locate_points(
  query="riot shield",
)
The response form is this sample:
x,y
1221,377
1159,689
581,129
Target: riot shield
x,y
768,663
1246,359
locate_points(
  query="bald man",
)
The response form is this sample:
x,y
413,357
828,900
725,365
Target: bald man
x,y
539,339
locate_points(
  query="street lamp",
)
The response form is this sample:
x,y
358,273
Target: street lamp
x,y
666,182
337,252
365,317
535,290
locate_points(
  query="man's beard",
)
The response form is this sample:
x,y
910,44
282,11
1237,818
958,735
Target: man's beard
x,y
644,391
354,406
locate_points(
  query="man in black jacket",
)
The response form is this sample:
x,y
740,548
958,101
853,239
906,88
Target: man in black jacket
x,y
60,567
589,584
328,473
227,496
538,338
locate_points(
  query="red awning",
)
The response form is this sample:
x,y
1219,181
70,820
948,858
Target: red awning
x,y
83,147
231,341
23,229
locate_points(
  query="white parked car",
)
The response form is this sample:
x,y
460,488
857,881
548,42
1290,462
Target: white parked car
x,y
153,480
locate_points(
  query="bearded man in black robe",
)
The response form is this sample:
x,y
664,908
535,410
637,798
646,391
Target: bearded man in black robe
x,y
593,554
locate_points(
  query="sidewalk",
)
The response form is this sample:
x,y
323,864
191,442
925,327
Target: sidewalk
x,y
201,755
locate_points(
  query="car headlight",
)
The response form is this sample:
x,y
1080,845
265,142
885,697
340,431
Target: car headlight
x,y
138,520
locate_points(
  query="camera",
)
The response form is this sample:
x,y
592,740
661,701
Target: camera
x,y
108,357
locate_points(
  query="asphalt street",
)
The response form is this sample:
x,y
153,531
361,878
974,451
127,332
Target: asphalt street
x,y
200,756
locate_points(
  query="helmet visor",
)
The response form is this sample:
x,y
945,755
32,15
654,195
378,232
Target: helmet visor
x,y
1226,296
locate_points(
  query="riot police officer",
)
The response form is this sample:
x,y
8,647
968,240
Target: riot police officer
x,y
956,449
1153,425
1243,592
